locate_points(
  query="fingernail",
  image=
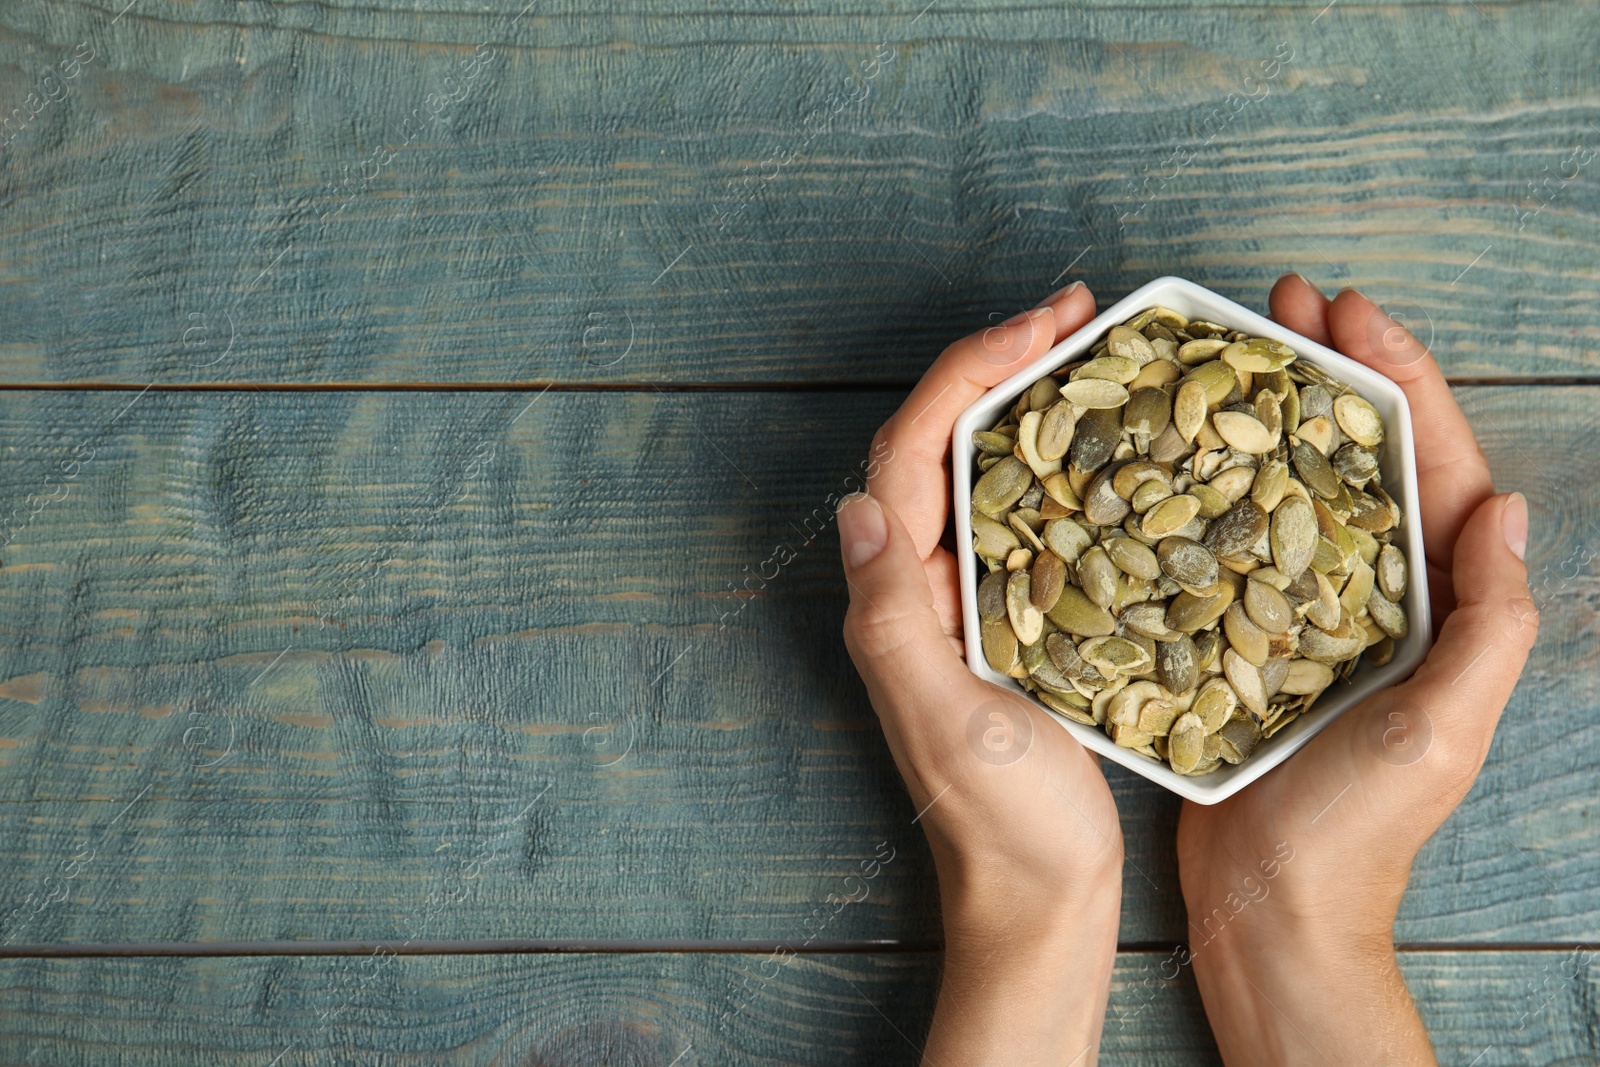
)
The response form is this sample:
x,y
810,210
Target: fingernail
x,y
1514,521
1023,316
1058,294
862,529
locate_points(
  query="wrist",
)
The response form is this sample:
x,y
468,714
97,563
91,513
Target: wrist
x,y
1027,970
1268,979
1034,918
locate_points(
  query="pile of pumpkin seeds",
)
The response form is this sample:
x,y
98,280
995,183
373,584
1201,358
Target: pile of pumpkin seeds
x,y
1187,539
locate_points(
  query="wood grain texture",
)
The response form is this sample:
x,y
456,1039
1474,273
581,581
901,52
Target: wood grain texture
x,y
295,666
646,195
1488,1009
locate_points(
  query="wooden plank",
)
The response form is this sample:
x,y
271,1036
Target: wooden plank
x,y
648,197
295,665
1489,1009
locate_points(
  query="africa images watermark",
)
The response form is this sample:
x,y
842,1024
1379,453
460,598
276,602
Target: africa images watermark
x,y
813,925
1214,124
49,89
1252,890
811,527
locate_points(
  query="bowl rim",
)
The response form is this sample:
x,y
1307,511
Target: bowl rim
x,y
1196,301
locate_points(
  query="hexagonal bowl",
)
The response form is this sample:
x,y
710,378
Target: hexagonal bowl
x,y
1399,466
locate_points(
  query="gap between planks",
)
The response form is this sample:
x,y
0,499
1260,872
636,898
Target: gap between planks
x,y
658,946
820,386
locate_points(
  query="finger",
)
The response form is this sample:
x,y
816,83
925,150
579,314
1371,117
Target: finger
x,y
1452,473
1300,306
1483,645
915,442
891,628
944,578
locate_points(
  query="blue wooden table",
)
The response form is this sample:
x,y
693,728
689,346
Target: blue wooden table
x,y
395,398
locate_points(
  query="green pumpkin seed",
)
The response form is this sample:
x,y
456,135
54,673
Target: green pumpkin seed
x,y
1237,739
1001,486
1391,571
1027,444
1000,646
1189,410
1095,393
1214,703
1075,613
1186,562
1359,420
1043,393
1268,608
1294,537
1058,487
993,444
1157,716
1150,620
1212,503
1130,476
992,597
1097,575
1314,469
1129,344
1381,653
1186,743
1258,354
1149,411
1306,677
1119,369
1324,647
1355,464
1066,539
1388,615
1357,592
1189,612
1170,516
1370,514
1026,620
1244,636
1233,483
1101,504
1176,666
1245,678
1048,578
1235,533
1323,610
1095,438
1200,350
1244,432
1129,737
1055,432
1149,495
1114,655
1062,705
1064,654
992,539
1132,557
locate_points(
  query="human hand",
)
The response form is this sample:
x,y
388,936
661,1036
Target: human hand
x,y
1022,827
1293,884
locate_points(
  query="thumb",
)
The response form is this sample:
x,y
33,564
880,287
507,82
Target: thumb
x,y
1484,643
892,629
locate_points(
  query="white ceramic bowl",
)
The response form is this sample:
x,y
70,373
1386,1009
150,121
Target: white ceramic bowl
x,y
1399,480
